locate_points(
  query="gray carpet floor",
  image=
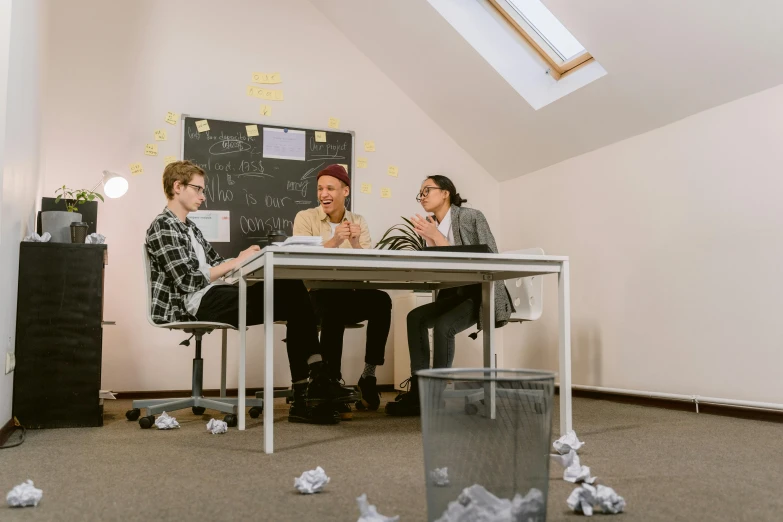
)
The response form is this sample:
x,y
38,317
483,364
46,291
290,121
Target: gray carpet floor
x,y
669,465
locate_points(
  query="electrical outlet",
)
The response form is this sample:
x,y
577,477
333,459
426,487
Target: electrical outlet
x,y
10,362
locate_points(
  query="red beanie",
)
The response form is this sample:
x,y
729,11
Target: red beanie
x,y
336,171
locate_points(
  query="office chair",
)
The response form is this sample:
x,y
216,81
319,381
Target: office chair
x,y
527,297
197,402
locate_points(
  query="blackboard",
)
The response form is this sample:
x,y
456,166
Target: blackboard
x,y
261,193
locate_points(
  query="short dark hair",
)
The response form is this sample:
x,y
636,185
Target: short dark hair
x,y
445,183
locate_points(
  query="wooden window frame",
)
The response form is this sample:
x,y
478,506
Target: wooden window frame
x,y
556,69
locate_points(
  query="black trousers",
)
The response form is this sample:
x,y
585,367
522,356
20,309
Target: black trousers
x,y
337,308
292,304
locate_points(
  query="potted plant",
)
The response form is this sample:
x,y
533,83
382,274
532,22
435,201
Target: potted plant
x,y
408,239
67,227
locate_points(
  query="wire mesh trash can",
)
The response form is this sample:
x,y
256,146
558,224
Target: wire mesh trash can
x,y
486,442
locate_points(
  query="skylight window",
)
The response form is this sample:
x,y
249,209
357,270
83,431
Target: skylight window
x,y
545,33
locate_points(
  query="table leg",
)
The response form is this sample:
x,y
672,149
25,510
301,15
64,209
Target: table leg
x,y
223,357
488,325
564,304
269,351
242,350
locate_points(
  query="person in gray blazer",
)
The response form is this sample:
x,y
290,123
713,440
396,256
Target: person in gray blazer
x,y
456,309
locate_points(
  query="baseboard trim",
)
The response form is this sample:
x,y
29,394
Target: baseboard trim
x,y
175,394
6,431
681,405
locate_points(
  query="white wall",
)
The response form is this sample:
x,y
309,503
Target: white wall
x,y
22,35
119,66
676,245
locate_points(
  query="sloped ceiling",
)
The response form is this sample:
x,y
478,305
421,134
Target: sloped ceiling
x,y
666,59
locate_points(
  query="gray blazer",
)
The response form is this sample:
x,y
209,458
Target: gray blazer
x,y
470,227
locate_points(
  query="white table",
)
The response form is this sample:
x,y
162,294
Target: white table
x,y
385,269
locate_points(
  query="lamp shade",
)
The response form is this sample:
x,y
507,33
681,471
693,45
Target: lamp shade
x,y
114,185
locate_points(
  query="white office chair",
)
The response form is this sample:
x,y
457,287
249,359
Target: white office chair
x,y
527,297
527,293
197,402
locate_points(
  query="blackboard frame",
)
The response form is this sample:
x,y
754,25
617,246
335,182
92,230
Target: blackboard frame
x,y
227,249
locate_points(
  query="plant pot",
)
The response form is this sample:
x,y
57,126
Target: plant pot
x,y
79,232
58,224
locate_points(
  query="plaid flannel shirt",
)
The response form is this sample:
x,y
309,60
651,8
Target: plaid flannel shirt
x,y
174,266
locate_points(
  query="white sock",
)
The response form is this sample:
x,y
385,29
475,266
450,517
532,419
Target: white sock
x,y
314,358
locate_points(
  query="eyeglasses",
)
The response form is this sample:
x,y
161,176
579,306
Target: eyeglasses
x,y
199,188
425,192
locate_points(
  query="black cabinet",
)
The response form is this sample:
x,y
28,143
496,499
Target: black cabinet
x,y
59,335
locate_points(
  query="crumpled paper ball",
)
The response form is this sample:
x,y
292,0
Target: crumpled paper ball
x,y
166,422
312,481
23,495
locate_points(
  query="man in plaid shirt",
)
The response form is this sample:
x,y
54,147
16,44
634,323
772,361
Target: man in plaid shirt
x,y
187,286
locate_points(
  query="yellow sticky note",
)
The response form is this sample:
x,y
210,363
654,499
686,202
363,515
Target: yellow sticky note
x,y
254,91
259,77
369,146
151,149
136,169
393,170
366,188
171,118
320,136
343,165
265,110
278,95
160,135
202,125
169,159
252,130
385,192
334,123
361,163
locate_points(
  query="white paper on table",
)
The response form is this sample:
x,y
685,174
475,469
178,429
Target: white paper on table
x,y
369,513
217,426
95,239
106,394
166,422
24,495
285,144
215,225
312,481
301,241
567,442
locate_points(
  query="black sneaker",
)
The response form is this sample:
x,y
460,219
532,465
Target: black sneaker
x,y
323,389
300,412
371,397
343,410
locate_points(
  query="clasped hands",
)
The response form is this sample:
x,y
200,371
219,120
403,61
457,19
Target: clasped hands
x,y
345,230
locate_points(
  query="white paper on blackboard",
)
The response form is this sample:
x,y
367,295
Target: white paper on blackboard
x,y
284,144
215,225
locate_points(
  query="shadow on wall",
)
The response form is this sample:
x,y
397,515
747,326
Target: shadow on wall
x,y
586,355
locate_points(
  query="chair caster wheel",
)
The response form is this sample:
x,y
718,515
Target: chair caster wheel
x,y
147,422
133,415
230,420
255,412
470,408
198,410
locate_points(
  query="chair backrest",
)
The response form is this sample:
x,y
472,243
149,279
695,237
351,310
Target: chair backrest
x,y
148,282
527,293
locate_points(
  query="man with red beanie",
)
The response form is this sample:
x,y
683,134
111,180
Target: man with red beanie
x,y
341,228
